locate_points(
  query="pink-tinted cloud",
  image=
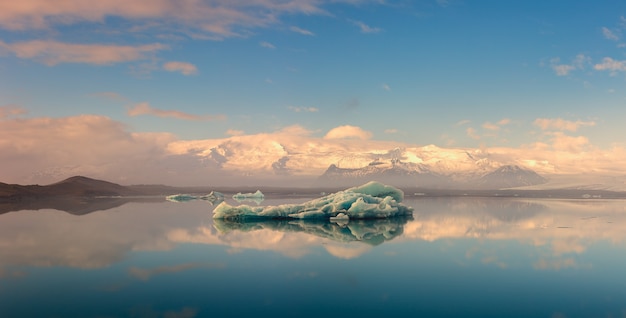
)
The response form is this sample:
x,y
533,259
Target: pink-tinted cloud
x,y
52,52
348,132
182,67
45,149
111,96
574,144
145,109
214,19
471,132
496,126
10,111
234,132
561,124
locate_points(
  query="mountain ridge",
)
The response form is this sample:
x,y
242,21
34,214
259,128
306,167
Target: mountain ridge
x,y
410,174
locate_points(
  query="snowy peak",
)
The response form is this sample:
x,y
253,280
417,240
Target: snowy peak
x,y
421,175
510,176
392,171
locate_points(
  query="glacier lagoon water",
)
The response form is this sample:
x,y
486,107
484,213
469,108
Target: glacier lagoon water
x,y
455,257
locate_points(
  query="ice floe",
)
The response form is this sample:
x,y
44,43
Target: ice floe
x,y
372,200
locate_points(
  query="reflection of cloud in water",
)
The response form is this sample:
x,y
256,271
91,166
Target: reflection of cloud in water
x,y
557,264
147,273
149,311
296,238
555,227
53,238
372,232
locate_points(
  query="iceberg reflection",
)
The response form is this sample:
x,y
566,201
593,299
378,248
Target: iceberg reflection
x,y
373,232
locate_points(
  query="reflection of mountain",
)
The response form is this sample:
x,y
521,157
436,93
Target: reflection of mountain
x,y
72,205
373,232
501,209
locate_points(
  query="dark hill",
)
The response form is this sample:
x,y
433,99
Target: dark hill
x,y
75,186
83,186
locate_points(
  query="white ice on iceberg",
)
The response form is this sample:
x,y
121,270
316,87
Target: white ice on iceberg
x,y
257,194
372,200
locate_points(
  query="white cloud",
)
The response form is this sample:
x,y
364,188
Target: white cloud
x,y
391,131
608,34
609,64
301,31
504,121
578,63
267,45
386,87
299,109
365,28
443,3
496,126
144,108
348,132
561,124
52,52
562,69
182,67
462,122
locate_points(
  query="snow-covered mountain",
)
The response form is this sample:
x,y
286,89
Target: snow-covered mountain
x,y
392,172
509,177
421,175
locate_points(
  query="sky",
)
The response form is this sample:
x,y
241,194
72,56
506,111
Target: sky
x,y
141,90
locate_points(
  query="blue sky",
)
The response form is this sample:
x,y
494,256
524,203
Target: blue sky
x,y
451,73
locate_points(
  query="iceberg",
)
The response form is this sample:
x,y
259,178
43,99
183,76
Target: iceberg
x,y
256,197
372,200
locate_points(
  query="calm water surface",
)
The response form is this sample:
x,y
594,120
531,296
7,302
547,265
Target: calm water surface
x,y
457,257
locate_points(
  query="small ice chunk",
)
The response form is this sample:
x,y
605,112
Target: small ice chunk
x,y
256,197
180,197
257,194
